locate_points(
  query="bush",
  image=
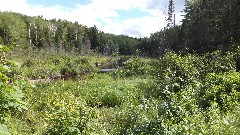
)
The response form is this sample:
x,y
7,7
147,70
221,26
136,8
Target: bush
x,y
111,99
75,66
236,56
139,118
11,90
220,88
217,62
135,66
56,67
173,73
191,89
67,115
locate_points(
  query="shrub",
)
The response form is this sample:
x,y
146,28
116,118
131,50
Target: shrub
x,y
67,115
217,62
173,73
28,63
139,118
111,99
11,90
135,66
236,56
75,66
221,88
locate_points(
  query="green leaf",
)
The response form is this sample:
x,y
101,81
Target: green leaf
x,y
3,48
16,88
6,68
4,130
3,77
13,63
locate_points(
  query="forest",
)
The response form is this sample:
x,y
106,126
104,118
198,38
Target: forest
x,y
182,79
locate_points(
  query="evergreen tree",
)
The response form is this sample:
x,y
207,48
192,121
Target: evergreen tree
x,y
171,16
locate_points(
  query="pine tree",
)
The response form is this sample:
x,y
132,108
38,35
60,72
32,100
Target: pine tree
x,y
171,16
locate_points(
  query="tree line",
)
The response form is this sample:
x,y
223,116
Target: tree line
x,y
208,25
37,32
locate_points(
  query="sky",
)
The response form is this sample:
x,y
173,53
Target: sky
x,y
135,18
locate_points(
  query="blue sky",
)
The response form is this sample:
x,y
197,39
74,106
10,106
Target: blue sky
x,y
67,3
136,18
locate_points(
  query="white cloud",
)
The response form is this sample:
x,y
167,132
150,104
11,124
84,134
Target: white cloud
x,y
104,10
117,4
14,5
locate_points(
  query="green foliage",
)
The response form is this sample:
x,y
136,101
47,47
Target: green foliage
x,y
4,129
58,111
174,73
139,118
221,88
111,99
104,91
218,63
187,90
67,115
74,107
57,67
12,29
236,57
75,66
209,25
135,66
11,90
176,94
62,35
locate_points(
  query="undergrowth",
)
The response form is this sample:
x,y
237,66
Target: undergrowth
x,y
175,94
